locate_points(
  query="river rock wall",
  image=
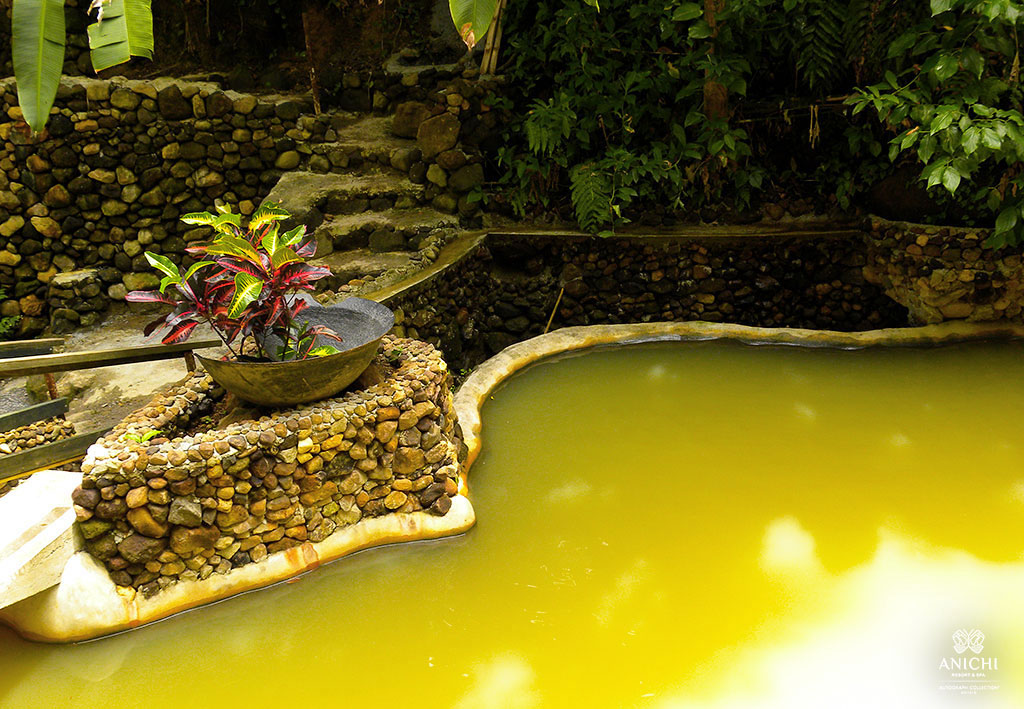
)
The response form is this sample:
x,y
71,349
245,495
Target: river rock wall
x,y
121,160
945,273
187,506
507,288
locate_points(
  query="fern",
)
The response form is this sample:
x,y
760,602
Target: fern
x,y
820,42
591,191
548,124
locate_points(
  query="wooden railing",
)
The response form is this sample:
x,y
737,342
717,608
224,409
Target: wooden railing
x,y
31,357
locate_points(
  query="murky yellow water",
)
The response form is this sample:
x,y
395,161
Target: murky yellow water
x,y
705,525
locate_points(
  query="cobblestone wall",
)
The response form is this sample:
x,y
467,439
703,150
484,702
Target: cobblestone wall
x,y
190,505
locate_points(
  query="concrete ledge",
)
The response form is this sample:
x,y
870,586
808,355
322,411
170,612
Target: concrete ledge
x,y
470,398
86,604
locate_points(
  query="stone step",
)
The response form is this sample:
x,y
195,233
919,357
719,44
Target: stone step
x,y
308,196
361,264
382,229
366,141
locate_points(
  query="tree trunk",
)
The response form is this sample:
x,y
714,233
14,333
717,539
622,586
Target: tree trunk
x,y
716,97
197,35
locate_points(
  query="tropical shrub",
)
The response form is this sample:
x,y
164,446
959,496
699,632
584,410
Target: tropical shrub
x,y
954,98
244,285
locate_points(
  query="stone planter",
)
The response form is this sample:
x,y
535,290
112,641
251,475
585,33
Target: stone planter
x,y
360,323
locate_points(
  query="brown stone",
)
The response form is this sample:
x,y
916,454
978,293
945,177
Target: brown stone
x,y
141,519
137,497
437,134
139,549
408,460
185,540
395,500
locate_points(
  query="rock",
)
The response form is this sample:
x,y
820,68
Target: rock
x,y
408,460
245,104
437,175
9,258
57,196
143,522
383,240
12,226
437,134
403,158
218,104
141,281
408,117
441,506
186,512
125,99
138,549
288,160
113,207
187,541
93,528
172,105
137,497
467,177
395,500
46,226
451,159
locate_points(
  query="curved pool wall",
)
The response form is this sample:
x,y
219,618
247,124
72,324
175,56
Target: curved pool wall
x,y
471,396
189,518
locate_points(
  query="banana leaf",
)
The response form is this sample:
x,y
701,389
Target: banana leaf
x,y
37,50
125,31
471,18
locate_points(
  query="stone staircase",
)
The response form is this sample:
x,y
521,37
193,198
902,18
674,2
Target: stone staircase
x,y
371,221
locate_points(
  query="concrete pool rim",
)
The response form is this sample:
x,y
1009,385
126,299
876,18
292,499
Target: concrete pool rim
x,y
484,379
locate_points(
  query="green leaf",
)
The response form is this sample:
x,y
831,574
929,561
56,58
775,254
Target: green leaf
x,y
687,11
195,267
971,140
323,351
37,49
163,264
270,242
951,179
293,236
283,256
700,30
926,149
233,246
247,289
472,18
1007,219
204,218
946,66
940,6
267,213
126,31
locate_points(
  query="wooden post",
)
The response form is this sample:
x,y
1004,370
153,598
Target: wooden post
x,y
190,361
51,386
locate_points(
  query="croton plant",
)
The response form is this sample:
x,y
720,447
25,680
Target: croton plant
x,y
245,285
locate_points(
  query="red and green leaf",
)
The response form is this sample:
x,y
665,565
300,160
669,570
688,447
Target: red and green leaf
x,y
180,332
247,289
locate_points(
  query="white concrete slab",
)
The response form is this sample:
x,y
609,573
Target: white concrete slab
x,y
36,534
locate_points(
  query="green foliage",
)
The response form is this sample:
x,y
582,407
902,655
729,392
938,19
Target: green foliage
x,y
615,114
143,437
125,30
8,323
953,97
37,51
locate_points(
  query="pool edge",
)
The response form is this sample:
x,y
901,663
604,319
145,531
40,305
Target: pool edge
x,y
470,397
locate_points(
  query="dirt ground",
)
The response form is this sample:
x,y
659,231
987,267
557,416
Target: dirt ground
x,y
99,398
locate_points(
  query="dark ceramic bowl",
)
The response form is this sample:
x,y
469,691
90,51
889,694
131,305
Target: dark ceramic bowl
x,y
361,324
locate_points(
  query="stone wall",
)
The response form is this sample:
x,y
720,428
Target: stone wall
x,y
29,436
121,161
945,273
506,289
192,505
